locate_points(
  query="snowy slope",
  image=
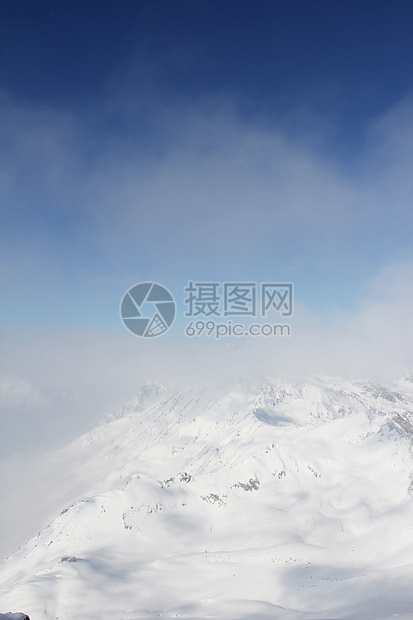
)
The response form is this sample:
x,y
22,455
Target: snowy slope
x,y
255,499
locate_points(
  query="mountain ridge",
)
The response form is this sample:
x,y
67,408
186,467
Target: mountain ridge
x,y
278,489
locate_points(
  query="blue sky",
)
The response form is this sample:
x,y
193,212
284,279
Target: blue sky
x,y
206,140
175,141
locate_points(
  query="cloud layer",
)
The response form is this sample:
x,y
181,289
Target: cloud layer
x,y
107,195
90,199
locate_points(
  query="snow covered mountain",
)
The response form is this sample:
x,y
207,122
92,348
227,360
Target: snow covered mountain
x,y
255,499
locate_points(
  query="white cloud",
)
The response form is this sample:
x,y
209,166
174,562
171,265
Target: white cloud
x,y
207,183
16,392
